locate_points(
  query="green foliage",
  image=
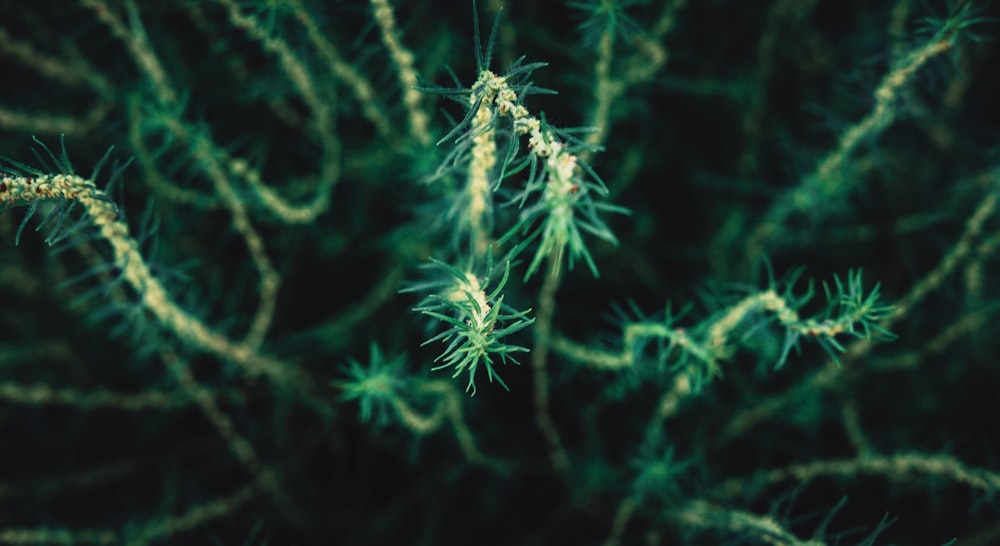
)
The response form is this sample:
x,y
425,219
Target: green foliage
x,y
374,386
606,16
850,311
658,474
478,321
962,16
557,214
278,316
560,198
59,219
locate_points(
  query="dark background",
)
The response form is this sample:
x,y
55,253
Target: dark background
x,y
681,155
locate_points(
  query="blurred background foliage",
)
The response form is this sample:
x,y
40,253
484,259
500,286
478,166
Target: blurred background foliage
x,y
106,436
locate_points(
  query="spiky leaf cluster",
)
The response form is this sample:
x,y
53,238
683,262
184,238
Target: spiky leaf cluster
x,y
477,321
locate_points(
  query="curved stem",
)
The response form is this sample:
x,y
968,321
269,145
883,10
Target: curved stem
x,y
539,363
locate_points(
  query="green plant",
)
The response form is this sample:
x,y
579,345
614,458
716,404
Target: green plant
x,y
477,326
302,217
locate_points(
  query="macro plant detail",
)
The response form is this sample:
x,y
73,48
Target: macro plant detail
x,y
560,189
698,353
308,272
478,326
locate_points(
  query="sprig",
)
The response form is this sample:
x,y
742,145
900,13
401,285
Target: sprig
x,y
477,321
962,16
598,17
561,197
699,350
563,193
374,385
850,311
658,472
